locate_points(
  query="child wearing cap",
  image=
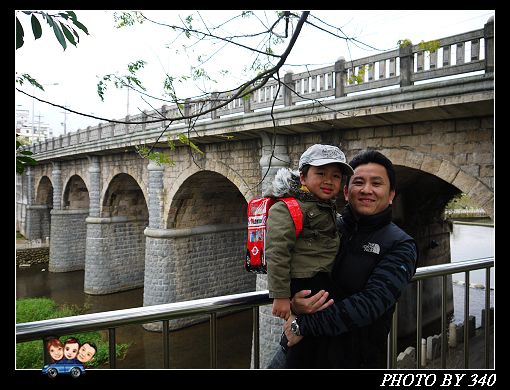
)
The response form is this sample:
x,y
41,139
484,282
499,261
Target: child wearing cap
x,y
305,262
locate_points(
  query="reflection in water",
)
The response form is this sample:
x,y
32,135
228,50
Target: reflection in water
x,y
189,347
469,242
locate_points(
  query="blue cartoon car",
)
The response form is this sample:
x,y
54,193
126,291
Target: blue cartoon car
x,y
73,369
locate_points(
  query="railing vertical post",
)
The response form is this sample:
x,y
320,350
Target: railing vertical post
x,y
487,312
111,348
287,92
418,322
214,103
187,110
256,343
488,32
46,353
212,338
444,344
392,340
340,77
247,102
466,321
406,65
166,344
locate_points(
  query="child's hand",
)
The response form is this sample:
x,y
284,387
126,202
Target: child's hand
x,y
281,308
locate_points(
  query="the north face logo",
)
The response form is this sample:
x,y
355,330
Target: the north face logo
x,y
371,247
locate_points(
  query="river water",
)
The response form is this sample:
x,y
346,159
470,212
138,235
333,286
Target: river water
x,y
189,347
469,242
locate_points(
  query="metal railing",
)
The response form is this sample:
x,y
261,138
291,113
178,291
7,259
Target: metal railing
x,y
110,320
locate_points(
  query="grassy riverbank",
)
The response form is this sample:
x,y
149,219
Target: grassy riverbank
x,y
30,354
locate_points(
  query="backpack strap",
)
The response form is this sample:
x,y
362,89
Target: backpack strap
x,y
295,213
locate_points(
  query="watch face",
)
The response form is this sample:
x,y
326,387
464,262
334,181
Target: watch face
x,y
294,327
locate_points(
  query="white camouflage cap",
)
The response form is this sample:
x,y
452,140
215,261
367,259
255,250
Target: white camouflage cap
x,y
318,155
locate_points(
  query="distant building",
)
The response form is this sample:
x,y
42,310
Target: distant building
x,y
35,132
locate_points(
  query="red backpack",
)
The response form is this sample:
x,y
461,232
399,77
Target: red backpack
x,y
256,244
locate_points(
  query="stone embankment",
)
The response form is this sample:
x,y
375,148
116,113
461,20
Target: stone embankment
x,y
32,252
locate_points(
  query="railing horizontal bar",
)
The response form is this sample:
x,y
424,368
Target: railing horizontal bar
x,y
88,322
452,268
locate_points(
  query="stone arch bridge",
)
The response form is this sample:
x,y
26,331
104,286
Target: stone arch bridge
x,y
179,230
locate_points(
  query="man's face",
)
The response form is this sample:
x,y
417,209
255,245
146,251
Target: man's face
x,y
86,353
369,189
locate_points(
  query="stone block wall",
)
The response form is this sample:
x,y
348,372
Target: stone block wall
x,y
67,245
33,255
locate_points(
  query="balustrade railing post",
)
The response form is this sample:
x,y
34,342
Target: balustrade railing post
x,y
187,110
340,77
287,92
488,32
214,103
406,65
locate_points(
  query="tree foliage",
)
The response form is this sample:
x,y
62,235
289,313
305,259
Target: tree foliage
x,y
64,25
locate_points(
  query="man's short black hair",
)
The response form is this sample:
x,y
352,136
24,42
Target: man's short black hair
x,y
373,156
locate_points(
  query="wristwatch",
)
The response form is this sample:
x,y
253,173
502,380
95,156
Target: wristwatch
x,y
294,327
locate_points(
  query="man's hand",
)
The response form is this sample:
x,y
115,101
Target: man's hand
x,y
302,305
291,337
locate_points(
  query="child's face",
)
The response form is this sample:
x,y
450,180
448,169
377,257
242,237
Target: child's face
x,y
71,350
86,353
323,181
56,352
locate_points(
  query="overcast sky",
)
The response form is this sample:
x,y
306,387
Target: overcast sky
x,y
108,50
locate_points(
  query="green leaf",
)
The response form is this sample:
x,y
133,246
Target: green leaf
x,y
186,141
75,34
59,35
19,34
81,26
72,15
36,27
68,34
27,160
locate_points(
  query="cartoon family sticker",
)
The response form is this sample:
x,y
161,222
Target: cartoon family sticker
x,y
69,357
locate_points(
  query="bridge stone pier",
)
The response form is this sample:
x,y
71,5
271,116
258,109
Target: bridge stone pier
x,y
178,230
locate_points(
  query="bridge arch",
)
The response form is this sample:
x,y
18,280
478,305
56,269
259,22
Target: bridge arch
x,y
116,262
41,210
76,194
212,166
68,243
446,170
44,192
114,175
